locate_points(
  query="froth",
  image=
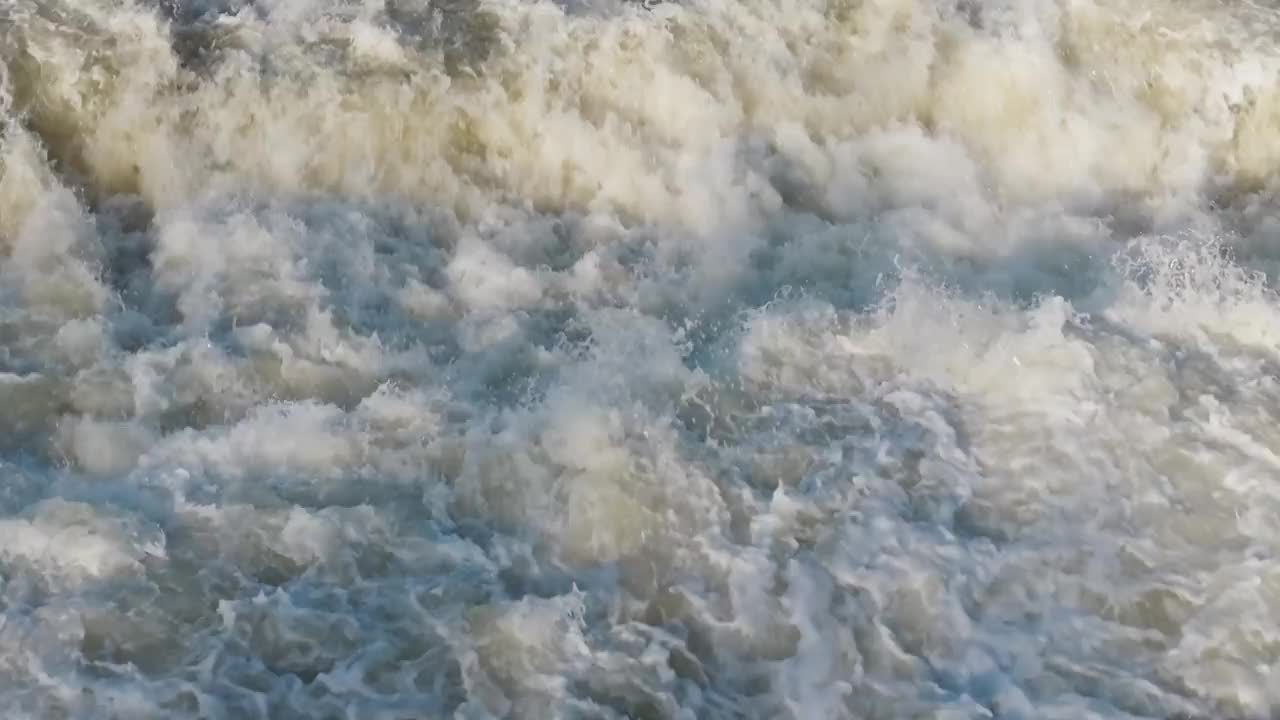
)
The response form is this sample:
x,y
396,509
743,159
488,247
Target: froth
x,y
847,359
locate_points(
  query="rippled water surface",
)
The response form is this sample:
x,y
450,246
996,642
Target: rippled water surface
x,y
406,359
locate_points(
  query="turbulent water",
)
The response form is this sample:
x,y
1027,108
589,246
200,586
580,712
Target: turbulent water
x,y
407,359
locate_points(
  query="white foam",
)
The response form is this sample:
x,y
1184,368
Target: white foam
x,y
719,359
70,542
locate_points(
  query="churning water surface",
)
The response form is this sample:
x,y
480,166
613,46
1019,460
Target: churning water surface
x,y
408,359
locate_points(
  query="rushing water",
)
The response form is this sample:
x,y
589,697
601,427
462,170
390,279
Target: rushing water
x,y
408,359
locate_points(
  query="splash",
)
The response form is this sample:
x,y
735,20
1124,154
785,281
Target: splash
x,y
588,358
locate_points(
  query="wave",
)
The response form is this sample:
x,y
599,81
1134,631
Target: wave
x,y
498,358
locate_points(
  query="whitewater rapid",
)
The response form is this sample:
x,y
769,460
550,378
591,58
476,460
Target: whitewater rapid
x,y
408,359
